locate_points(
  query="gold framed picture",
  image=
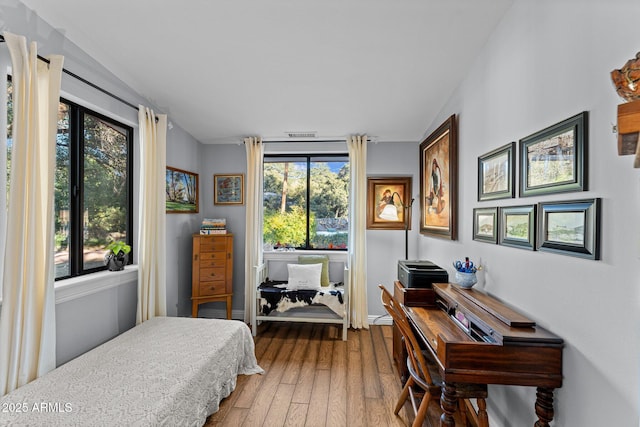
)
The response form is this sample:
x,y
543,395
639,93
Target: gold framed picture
x,y
228,189
388,200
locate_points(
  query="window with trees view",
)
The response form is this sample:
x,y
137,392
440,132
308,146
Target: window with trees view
x,y
93,186
306,201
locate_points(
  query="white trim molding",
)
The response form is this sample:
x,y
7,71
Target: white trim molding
x,y
81,286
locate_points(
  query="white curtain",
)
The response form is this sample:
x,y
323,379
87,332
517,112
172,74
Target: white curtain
x,y
357,231
253,230
27,318
5,64
152,288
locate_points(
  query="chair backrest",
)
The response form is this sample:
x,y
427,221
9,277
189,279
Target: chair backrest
x,y
416,358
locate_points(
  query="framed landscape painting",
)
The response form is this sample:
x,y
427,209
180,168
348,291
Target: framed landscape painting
x,y
554,160
518,226
181,191
485,224
496,173
439,181
570,228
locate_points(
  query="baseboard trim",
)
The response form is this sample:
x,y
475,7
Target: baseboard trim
x,y
383,319
217,313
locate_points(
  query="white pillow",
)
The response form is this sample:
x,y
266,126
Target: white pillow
x,y
304,276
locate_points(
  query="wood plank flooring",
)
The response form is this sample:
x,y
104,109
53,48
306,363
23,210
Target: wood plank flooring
x,y
313,378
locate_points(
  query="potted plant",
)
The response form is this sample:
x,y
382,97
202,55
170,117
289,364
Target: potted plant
x,y
117,256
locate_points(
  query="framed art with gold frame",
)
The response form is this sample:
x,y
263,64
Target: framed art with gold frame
x,y
388,200
181,191
439,181
228,189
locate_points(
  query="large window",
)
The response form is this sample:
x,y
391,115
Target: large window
x,y
93,187
306,201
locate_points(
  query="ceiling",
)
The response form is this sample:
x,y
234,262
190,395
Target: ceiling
x,y
226,69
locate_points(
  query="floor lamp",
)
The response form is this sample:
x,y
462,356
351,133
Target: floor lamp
x,y
407,217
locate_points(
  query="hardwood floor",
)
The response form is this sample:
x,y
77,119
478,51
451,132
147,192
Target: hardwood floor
x,y
313,378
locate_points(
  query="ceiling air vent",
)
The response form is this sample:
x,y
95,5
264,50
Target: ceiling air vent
x,y
305,134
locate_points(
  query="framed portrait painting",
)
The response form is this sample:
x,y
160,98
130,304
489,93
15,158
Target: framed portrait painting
x,y
388,203
228,189
439,181
554,160
181,191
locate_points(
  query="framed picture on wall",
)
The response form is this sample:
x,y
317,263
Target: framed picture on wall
x,y
485,225
554,159
228,189
517,226
570,228
181,191
439,181
496,173
388,202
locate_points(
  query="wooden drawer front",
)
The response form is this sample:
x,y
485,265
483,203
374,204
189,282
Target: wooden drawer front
x,y
209,274
212,288
213,245
213,259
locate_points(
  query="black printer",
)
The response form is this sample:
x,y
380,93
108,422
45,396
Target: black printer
x,y
420,274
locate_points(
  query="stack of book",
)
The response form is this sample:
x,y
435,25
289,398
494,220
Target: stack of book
x,y
213,226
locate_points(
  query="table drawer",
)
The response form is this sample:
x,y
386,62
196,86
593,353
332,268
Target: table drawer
x,y
209,274
215,287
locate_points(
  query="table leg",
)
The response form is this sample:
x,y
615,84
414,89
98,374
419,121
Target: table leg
x,y
229,306
544,406
448,403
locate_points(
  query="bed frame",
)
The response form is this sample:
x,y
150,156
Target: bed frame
x,y
167,371
275,268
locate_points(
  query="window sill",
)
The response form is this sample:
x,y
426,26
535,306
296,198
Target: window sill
x,y
78,287
288,255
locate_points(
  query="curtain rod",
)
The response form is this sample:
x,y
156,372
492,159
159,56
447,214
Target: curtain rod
x,y
304,140
85,81
291,141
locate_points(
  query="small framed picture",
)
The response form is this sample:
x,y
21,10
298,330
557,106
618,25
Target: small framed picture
x,y
570,228
228,189
485,225
554,160
181,191
388,203
518,226
496,173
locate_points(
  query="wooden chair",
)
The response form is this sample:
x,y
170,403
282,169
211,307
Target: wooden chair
x,y
424,373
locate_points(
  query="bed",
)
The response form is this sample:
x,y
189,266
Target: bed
x,y
274,301
167,371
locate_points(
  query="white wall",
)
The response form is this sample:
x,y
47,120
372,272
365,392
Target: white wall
x,y
547,61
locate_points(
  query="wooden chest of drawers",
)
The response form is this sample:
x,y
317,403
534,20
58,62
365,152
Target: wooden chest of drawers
x,y
212,277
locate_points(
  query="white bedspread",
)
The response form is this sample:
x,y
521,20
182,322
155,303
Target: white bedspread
x,y
167,371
